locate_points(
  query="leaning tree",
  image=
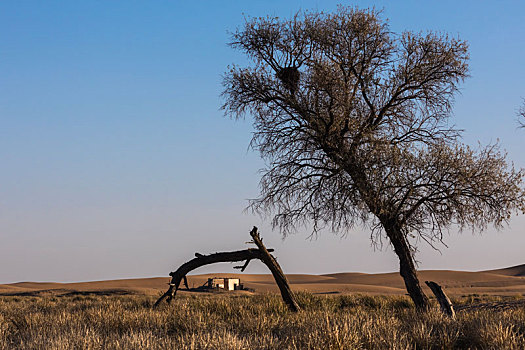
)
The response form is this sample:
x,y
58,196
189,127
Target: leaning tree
x,y
353,122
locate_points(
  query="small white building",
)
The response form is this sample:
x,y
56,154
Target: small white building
x,y
224,283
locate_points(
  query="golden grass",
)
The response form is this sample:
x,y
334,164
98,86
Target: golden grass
x,y
249,322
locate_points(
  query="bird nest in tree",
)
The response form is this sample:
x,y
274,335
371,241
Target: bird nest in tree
x,y
289,76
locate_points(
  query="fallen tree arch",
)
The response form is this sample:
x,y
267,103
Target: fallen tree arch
x,y
261,253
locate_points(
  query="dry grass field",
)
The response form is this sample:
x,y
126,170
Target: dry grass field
x,y
339,311
260,321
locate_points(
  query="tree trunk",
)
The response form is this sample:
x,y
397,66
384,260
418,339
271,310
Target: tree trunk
x,y
407,268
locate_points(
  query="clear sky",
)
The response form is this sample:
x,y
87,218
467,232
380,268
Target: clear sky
x,y
116,161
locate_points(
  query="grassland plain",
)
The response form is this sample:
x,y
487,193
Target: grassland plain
x,y
250,322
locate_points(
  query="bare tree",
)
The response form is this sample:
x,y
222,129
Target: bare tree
x,y
352,121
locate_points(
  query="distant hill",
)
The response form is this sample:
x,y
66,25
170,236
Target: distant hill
x,y
506,281
517,271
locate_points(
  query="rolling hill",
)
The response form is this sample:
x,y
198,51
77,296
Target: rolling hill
x,y
506,281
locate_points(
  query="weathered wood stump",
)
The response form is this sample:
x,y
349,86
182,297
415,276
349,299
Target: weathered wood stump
x,y
442,298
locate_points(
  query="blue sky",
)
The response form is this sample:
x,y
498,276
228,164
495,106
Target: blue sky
x,y
117,161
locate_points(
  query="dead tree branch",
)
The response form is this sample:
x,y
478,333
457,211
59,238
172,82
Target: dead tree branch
x,y
277,273
261,253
